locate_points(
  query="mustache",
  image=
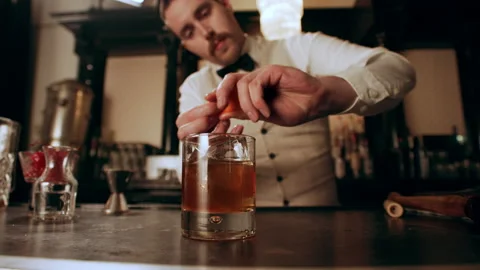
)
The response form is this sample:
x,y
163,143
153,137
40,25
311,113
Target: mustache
x,y
214,38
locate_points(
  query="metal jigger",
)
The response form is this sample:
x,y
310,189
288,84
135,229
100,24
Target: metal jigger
x,y
117,181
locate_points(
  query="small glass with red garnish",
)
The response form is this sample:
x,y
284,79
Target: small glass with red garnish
x,y
55,191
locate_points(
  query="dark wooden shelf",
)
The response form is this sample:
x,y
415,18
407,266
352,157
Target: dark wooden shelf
x,y
125,32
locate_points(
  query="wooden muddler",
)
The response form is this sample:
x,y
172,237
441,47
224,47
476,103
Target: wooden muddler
x,y
448,205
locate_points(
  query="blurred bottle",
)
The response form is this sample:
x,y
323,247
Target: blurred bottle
x,y
421,162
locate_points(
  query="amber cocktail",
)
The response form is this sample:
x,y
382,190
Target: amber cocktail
x,y
218,187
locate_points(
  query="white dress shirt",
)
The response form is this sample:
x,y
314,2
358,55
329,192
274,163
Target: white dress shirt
x,y
294,165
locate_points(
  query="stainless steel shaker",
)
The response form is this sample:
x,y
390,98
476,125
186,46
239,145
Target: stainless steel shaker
x,y
66,114
9,139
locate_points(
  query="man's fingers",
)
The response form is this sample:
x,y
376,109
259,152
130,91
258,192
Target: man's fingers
x,y
238,129
250,91
270,77
204,110
226,87
256,94
244,97
200,125
222,126
211,97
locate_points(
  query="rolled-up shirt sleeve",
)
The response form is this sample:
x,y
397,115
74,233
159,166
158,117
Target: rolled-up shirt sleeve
x,y
381,78
381,84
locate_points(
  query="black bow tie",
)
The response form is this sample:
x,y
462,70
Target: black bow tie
x,y
245,62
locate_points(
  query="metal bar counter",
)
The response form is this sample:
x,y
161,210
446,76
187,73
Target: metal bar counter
x,y
295,239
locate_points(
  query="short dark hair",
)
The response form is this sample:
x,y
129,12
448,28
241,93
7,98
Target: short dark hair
x,y
163,5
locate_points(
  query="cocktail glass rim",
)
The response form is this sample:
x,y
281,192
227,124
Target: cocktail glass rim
x,y
225,135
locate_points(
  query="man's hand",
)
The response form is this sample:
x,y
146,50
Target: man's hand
x,y
278,94
204,118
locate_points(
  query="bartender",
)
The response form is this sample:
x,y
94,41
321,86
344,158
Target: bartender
x,y
313,75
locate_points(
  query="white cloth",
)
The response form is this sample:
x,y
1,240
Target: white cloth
x,y
294,163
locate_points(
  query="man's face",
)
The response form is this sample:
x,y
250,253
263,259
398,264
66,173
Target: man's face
x,y
207,28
